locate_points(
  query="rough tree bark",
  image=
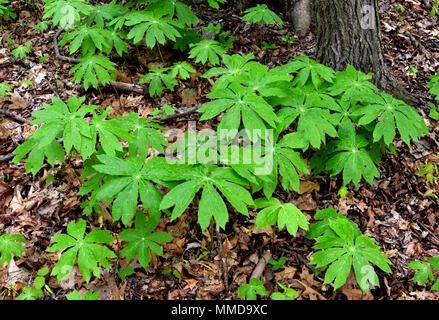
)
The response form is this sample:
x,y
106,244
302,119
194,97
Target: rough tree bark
x,y
348,32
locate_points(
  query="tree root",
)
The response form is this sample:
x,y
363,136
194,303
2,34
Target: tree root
x,y
391,85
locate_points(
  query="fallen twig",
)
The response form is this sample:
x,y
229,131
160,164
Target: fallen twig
x,y
431,233
12,116
223,258
262,263
6,157
57,54
178,115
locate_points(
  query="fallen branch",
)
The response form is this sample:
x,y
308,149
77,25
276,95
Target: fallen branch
x,y
123,86
223,258
128,87
262,263
12,116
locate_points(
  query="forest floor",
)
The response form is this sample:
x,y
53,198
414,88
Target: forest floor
x,y
394,210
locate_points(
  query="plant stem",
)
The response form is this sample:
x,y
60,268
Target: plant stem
x,y
160,53
223,258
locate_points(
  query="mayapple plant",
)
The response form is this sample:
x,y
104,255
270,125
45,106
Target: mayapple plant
x,y
295,120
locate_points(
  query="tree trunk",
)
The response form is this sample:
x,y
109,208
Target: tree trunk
x,y
348,32
298,12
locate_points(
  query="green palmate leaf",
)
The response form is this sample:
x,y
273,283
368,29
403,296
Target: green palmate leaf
x,y
188,37
35,291
6,11
206,50
224,37
66,13
154,27
433,85
271,160
5,88
305,69
423,272
433,114
105,13
91,39
158,78
349,154
211,179
234,67
171,7
287,294
341,246
288,163
260,14
182,69
110,132
30,293
321,225
277,264
215,3
93,70
392,113
143,134
434,262
139,132
42,26
251,290
40,280
314,122
254,111
123,273
127,180
268,83
86,250
342,110
35,160
88,295
57,120
10,246
286,214
142,240
22,51
353,85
